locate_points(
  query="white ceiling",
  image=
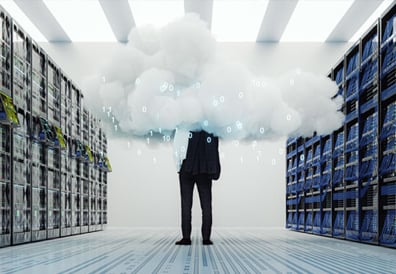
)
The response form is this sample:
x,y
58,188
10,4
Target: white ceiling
x,y
229,20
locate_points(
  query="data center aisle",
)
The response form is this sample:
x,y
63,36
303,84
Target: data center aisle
x,y
234,251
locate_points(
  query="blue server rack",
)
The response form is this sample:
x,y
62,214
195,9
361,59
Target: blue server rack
x,y
387,143
301,219
343,185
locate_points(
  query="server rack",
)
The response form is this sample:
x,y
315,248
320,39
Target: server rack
x,y
39,139
20,143
5,130
105,167
387,168
54,146
52,183
66,180
308,185
357,197
85,180
94,189
368,135
291,181
76,155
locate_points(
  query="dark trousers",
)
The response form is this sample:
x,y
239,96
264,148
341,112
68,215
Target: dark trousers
x,y
204,184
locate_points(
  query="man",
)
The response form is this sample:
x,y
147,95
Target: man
x,y
200,165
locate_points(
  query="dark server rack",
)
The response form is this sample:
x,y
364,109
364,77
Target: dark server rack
x,y
54,146
21,147
5,129
105,167
66,180
39,139
53,179
85,179
76,155
94,189
356,199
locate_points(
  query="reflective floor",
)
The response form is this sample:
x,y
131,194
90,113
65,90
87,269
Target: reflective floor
x,y
234,251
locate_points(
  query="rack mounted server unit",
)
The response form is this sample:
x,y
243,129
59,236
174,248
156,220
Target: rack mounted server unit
x,y
343,185
53,180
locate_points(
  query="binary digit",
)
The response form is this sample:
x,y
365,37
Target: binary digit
x,y
166,138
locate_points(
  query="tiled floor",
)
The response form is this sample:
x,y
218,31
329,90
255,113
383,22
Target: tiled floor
x,y
234,251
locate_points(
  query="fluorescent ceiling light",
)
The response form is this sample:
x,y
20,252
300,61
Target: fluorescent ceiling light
x,y
371,20
313,21
157,13
22,20
237,21
83,21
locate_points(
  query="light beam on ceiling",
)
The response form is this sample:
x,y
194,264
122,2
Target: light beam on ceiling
x,y
83,21
156,13
313,21
236,21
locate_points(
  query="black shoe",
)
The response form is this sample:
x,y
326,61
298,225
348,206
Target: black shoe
x,y
207,242
183,242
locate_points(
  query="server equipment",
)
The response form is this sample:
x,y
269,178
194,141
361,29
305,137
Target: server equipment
x,y
343,185
53,165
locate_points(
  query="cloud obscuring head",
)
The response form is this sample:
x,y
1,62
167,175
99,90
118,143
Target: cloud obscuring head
x,y
173,78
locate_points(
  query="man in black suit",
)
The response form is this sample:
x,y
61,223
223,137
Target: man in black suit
x,y
201,166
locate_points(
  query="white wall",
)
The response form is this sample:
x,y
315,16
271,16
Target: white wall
x,y
143,188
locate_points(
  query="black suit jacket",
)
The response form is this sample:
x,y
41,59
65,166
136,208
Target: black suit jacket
x,y
202,155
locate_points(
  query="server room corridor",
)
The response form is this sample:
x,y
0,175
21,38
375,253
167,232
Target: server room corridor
x,y
234,251
101,102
